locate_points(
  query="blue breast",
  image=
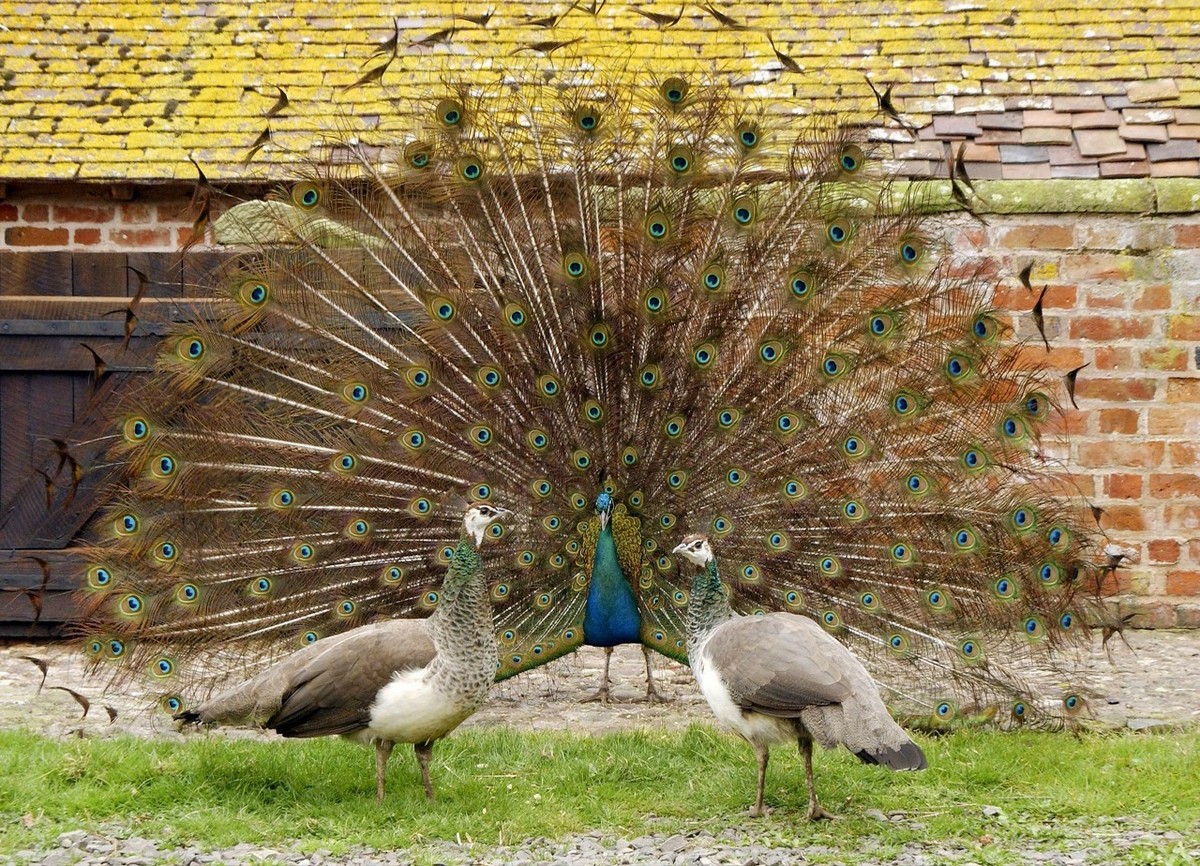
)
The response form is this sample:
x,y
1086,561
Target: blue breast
x,y
610,615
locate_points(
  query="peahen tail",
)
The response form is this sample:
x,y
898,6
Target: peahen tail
x,y
550,293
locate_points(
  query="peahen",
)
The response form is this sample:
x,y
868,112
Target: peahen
x,y
628,309
399,681
781,678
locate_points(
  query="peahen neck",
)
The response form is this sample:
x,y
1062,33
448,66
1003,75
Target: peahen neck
x,y
708,606
611,615
461,626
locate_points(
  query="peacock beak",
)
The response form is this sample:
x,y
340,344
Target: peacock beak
x,y
679,548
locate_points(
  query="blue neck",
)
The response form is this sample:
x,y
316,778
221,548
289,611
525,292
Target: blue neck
x,y
610,615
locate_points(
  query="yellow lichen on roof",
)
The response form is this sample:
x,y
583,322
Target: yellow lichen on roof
x,y
97,90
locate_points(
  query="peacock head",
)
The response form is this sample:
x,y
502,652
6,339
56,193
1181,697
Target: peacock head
x,y
696,549
478,517
604,507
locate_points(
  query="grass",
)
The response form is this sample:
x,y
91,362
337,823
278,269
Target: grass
x,y
503,786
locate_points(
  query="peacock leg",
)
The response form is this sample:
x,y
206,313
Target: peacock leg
x,y
815,812
602,694
424,753
762,753
653,695
383,751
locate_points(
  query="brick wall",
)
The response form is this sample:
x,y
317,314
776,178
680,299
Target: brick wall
x,y
1123,297
100,218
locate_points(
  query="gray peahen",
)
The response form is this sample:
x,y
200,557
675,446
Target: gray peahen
x,y
781,678
400,681
626,308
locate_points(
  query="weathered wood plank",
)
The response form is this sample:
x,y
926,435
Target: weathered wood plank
x,y
40,273
29,354
25,520
95,273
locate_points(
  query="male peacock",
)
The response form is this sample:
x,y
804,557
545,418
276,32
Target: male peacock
x,y
780,678
400,681
625,307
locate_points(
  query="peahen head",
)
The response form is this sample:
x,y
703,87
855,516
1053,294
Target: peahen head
x,y
695,549
478,517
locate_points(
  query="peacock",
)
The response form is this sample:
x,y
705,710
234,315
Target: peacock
x,y
400,680
628,306
781,677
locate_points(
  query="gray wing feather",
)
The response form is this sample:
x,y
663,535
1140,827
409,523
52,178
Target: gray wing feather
x,y
333,691
781,664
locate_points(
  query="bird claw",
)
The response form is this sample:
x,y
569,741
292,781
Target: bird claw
x,y
816,813
756,812
601,697
653,696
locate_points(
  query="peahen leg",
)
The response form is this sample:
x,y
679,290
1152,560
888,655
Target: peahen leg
x,y
383,751
424,753
653,695
815,812
762,753
602,694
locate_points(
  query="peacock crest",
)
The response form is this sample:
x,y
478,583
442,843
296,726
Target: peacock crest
x,y
628,311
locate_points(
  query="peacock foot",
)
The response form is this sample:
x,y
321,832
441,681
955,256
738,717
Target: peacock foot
x,y
600,697
760,811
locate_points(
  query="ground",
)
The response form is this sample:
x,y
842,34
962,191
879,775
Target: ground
x,y
1152,682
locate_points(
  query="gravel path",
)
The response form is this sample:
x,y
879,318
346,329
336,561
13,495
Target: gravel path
x,y
1155,681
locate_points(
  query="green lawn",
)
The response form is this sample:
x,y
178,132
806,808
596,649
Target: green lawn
x,y
504,786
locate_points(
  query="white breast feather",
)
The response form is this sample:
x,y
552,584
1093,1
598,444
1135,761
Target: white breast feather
x,y
410,709
755,727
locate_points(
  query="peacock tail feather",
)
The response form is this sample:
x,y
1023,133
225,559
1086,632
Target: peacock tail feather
x,y
648,291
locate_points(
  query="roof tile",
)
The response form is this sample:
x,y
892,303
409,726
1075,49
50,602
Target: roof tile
x,y
129,88
1099,142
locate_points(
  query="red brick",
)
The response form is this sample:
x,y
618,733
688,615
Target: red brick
x,y
1100,266
1121,452
136,214
1115,390
36,213
1113,327
1038,237
1183,327
1184,454
184,236
1174,486
160,237
1114,359
1125,486
1179,516
1061,358
1183,583
87,237
1172,422
1183,390
1171,356
1111,582
1163,551
1125,518
34,236
1107,297
1017,297
1186,235
78,214
1194,549
8,213
1119,421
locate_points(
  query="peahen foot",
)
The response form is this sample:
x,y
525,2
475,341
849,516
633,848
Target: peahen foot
x,y
816,813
